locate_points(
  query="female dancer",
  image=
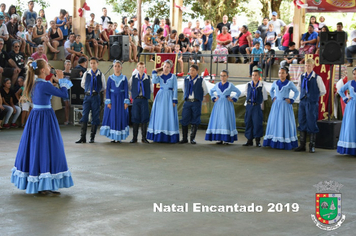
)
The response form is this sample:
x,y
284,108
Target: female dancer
x,y
41,165
281,132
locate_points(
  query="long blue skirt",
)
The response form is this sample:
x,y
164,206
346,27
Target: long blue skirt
x,y
347,138
41,162
281,131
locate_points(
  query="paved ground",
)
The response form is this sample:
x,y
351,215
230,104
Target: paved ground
x,y
116,186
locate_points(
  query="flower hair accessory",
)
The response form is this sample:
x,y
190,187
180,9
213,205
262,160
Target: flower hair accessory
x,y
34,65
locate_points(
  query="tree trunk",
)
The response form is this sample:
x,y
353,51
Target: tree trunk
x,y
265,8
139,4
275,5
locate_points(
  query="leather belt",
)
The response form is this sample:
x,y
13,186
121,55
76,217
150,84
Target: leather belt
x,y
140,97
93,94
191,100
252,103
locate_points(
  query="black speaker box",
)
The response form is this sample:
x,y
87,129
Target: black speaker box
x,y
328,135
332,48
119,47
77,92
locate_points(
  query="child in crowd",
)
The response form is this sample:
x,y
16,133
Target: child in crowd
x,y
290,55
77,47
206,29
321,22
25,105
8,103
147,42
31,46
179,59
256,55
198,40
255,92
257,38
105,35
271,35
268,58
196,58
21,38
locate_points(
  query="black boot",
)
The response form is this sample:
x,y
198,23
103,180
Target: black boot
x,y
248,143
193,133
303,136
135,132
144,133
312,143
185,134
93,132
83,133
258,142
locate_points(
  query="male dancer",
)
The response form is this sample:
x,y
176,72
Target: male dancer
x,y
194,90
311,87
93,82
140,88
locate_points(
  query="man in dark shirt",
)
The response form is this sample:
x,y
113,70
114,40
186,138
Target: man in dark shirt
x,y
219,27
263,28
12,29
183,43
7,71
290,55
18,57
92,42
82,65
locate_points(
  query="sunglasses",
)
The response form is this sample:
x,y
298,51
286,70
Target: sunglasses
x,y
17,46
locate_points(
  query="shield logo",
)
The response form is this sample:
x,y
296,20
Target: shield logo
x,y
328,207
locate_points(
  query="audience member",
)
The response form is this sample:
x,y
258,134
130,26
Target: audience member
x,y
225,22
55,35
167,28
308,42
268,59
235,30
39,36
256,39
7,95
61,22
263,28
147,43
245,41
18,57
287,38
92,20
313,22
104,20
29,16
277,26
105,36
196,58
31,46
91,42
223,42
43,16
271,35
7,72
25,105
256,55
40,53
290,55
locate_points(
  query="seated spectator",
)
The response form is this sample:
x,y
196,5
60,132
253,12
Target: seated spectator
x,y
3,112
2,9
12,28
7,100
286,39
39,36
31,46
105,36
145,25
131,26
313,22
82,65
155,26
188,31
180,59
290,55
91,42
197,39
39,53
7,72
77,47
207,37
323,29
56,37
43,16
147,42
25,105
61,22
183,43
68,52
268,59
162,40
308,42
223,42
172,39
196,58
132,46
116,30
92,20
271,35
4,35
97,36
167,29
235,30
321,22
124,22
245,41
156,40
21,35
256,55
67,66
196,29
351,49
18,57
135,40
256,39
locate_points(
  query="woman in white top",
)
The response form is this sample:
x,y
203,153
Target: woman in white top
x,y
234,29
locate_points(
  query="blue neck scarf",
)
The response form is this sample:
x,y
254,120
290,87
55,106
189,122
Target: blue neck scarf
x,y
140,84
93,82
223,87
353,84
305,81
253,87
282,84
191,84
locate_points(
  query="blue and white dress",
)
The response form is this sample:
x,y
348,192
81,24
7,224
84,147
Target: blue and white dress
x,y
115,124
281,131
222,122
164,126
41,162
347,138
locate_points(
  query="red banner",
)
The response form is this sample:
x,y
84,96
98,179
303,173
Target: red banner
x,y
330,5
324,72
160,58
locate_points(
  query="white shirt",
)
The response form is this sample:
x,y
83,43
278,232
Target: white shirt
x,y
67,44
28,36
3,30
278,24
205,89
319,81
134,73
353,36
103,81
105,22
21,34
235,30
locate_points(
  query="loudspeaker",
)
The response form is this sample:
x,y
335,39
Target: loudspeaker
x,y
77,92
119,47
332,48
328,135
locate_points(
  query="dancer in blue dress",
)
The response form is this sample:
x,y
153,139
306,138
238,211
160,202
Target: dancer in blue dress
x,y
347,138
164,126
115,124
222,122
281,132
41,165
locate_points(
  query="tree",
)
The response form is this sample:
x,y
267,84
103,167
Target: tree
x,y
265,7
21,6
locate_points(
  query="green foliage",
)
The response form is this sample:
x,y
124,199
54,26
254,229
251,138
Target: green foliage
x,y
22,6
253,26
